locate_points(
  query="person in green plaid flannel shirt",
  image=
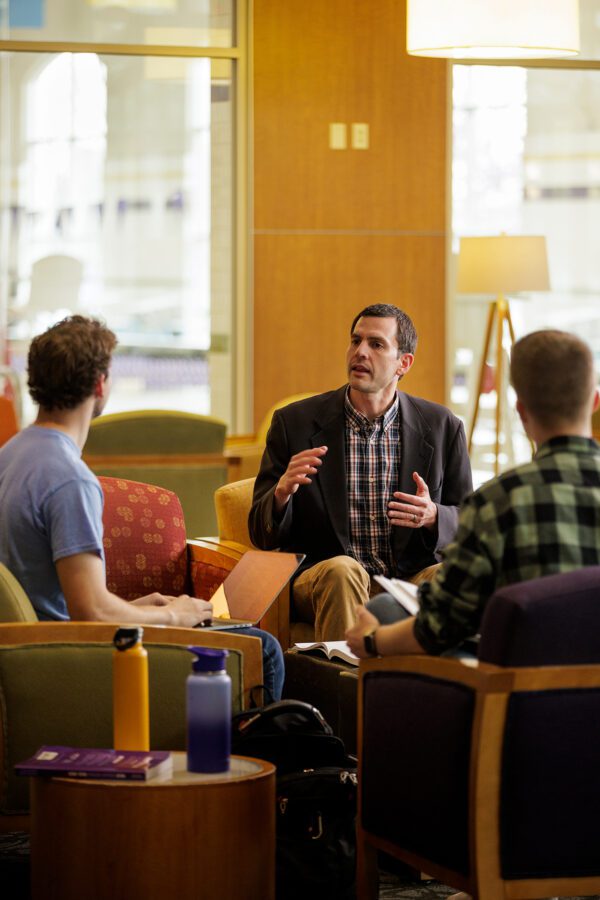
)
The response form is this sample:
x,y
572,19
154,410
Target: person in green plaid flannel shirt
x,y
536,519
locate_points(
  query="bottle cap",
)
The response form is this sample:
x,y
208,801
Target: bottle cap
x,y
126,638
208,660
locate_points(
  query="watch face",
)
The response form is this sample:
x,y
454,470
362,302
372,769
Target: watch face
x,y
369,643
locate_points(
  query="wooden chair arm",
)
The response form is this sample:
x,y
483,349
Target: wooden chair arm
x,y
211,559
486,677
209,563
210,549
243,458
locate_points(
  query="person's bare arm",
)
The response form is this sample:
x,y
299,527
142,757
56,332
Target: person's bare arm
x,y
88,599
390,640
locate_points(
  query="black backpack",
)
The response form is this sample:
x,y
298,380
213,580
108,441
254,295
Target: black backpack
x,y
316,798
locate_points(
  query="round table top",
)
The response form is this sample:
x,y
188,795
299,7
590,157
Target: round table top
x,y
242,768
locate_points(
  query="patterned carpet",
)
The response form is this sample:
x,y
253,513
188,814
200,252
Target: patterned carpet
x,y
393,888
14,866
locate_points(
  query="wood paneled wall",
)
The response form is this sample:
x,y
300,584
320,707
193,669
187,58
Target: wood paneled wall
x,y
335,230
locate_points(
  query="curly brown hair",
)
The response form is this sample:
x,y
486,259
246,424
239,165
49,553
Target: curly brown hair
x,y
65,362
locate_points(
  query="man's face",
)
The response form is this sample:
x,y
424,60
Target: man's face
x,y
372,358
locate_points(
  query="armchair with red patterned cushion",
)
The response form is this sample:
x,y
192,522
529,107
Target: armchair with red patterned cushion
x,y
146,547
146,550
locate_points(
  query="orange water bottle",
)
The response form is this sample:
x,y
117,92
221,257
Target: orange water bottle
x,y
131,718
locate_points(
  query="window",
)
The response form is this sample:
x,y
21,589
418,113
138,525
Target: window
x,y
116,187
526,160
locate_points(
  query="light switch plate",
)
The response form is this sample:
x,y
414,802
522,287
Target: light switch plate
x,y
360,135
338,136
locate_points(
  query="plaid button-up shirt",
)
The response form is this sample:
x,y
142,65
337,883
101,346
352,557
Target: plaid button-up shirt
x,y
538,519
372,464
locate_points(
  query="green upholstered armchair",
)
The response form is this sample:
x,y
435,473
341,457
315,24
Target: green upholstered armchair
x,y
183,452
14,602
56,688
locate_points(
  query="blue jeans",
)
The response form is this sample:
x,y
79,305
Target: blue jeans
x,y
273,665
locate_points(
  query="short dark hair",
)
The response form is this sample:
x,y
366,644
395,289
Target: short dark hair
x,y
65,362
553,375
406,334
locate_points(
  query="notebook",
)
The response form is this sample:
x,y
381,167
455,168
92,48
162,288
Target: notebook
x,y
251,588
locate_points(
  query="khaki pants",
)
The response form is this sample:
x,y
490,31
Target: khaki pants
x,y
330,592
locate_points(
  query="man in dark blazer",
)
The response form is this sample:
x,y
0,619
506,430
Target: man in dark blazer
x,y
364,480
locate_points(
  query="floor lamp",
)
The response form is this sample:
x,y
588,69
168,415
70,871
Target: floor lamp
x,y
499,265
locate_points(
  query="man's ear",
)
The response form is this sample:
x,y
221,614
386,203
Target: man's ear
x,y
99,386
523,414
596,402
405,364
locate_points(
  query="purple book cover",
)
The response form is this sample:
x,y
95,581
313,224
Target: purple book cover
x,y
76,762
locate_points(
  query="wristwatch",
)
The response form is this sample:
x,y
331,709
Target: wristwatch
x,y
369,641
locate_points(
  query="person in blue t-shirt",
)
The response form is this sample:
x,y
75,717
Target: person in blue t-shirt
x,y
51,503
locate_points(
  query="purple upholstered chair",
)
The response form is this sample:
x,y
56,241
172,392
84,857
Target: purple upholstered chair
x,y
488,777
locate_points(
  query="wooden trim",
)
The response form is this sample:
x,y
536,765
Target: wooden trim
x,y
546,678
235,441
154,459
242,309
243,460
220,546
484,795
551,887
213,554
119,49
234,459
490,679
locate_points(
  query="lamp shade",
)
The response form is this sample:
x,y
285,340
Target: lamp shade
x,y
492,29
502,264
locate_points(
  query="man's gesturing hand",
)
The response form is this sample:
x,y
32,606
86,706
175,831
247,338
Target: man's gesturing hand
x,y
413,510
300,468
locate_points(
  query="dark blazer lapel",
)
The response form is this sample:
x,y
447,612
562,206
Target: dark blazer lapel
x,y
416,449
416,452
331,479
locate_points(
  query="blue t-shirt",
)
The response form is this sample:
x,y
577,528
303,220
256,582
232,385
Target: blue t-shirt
x,y
50,508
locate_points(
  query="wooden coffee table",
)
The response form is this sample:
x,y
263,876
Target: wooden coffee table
x,y
186,836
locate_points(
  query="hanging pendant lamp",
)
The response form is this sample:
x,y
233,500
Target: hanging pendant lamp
x,y
492,29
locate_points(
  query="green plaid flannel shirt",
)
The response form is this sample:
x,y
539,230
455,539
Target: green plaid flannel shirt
x,y
537,519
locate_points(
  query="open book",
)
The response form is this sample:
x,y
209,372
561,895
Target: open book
x,y
332,650
403,591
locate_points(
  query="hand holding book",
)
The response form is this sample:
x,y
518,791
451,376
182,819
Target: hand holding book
x,y
404,592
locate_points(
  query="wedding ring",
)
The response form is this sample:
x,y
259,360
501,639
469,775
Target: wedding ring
x,y
414,518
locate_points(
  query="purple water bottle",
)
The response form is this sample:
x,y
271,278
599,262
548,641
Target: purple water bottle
x,y
208,712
